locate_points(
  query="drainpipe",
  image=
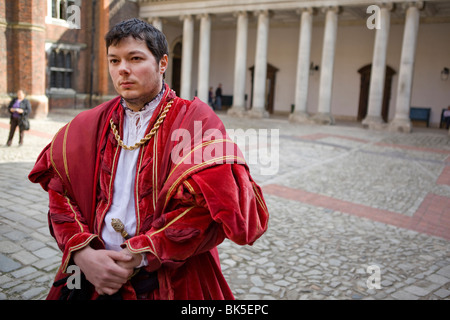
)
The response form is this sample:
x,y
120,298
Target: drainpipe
x,y
91,80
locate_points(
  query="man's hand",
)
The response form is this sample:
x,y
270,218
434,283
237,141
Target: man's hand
x,y
107,270
136,259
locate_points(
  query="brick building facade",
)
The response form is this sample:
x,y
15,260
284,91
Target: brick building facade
x,y
54,50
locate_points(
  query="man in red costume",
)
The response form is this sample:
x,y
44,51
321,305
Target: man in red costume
x,y
164,167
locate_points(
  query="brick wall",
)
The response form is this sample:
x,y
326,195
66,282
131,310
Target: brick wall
x,y
23,41
24,34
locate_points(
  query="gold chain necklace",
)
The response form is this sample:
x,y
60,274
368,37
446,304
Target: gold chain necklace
x,y
148,136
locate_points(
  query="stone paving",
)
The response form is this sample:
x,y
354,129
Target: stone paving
x,y
354,214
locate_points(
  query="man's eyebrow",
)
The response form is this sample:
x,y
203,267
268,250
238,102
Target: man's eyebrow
x,y
128,54
136,52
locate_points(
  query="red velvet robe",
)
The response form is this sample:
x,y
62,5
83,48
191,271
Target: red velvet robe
x,y
184,209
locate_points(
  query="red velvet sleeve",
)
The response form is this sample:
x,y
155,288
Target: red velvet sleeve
x,y
235,201
68,227
205,211
66,223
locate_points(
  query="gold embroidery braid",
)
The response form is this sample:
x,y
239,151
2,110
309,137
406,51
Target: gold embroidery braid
x,y
148,136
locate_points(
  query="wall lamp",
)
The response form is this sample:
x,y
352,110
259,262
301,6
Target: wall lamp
x,y
444,74
313,68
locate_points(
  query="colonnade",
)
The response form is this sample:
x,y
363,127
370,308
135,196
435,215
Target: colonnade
x,y
324,115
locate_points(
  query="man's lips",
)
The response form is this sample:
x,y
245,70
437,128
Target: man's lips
x,y
126,84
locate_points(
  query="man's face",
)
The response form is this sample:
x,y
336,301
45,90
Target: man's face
x,y
135,73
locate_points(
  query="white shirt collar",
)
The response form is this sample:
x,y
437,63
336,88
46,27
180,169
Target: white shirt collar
x,y
136,122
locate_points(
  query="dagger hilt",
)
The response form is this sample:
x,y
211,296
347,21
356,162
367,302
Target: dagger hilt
x,y
118,226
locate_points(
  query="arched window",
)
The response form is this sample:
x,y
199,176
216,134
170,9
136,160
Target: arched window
x,y
68,71
60,60
60,63
68,62
59,80
177,50
62,10
176,67
54,8
59,8
68,80
53,79
52,60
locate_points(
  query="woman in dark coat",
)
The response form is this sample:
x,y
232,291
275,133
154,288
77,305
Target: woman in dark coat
x,y
19,108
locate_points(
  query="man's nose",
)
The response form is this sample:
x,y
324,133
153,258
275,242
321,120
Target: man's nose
x,y
124,68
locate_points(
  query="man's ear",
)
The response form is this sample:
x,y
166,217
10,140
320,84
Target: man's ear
x,y
163,64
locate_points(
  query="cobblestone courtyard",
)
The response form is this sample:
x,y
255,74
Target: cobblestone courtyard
x,y
344,201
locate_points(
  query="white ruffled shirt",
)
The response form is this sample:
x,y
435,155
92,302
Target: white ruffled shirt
x,y
123,201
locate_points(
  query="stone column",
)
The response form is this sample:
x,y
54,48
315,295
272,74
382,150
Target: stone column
x,y
401,121
324,115
240,65
302,79
203,57
259,78
157,23
373,119
187,52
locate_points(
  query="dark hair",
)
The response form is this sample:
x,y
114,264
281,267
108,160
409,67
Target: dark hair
x,y
138,29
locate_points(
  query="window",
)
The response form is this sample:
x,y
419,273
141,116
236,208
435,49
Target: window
x,y
60,62
59,8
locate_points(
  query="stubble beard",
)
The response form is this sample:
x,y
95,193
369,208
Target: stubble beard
x,y
138,103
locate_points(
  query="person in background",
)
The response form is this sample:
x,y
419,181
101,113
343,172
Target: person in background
x,y
447,117
218,103
211,97
19,108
